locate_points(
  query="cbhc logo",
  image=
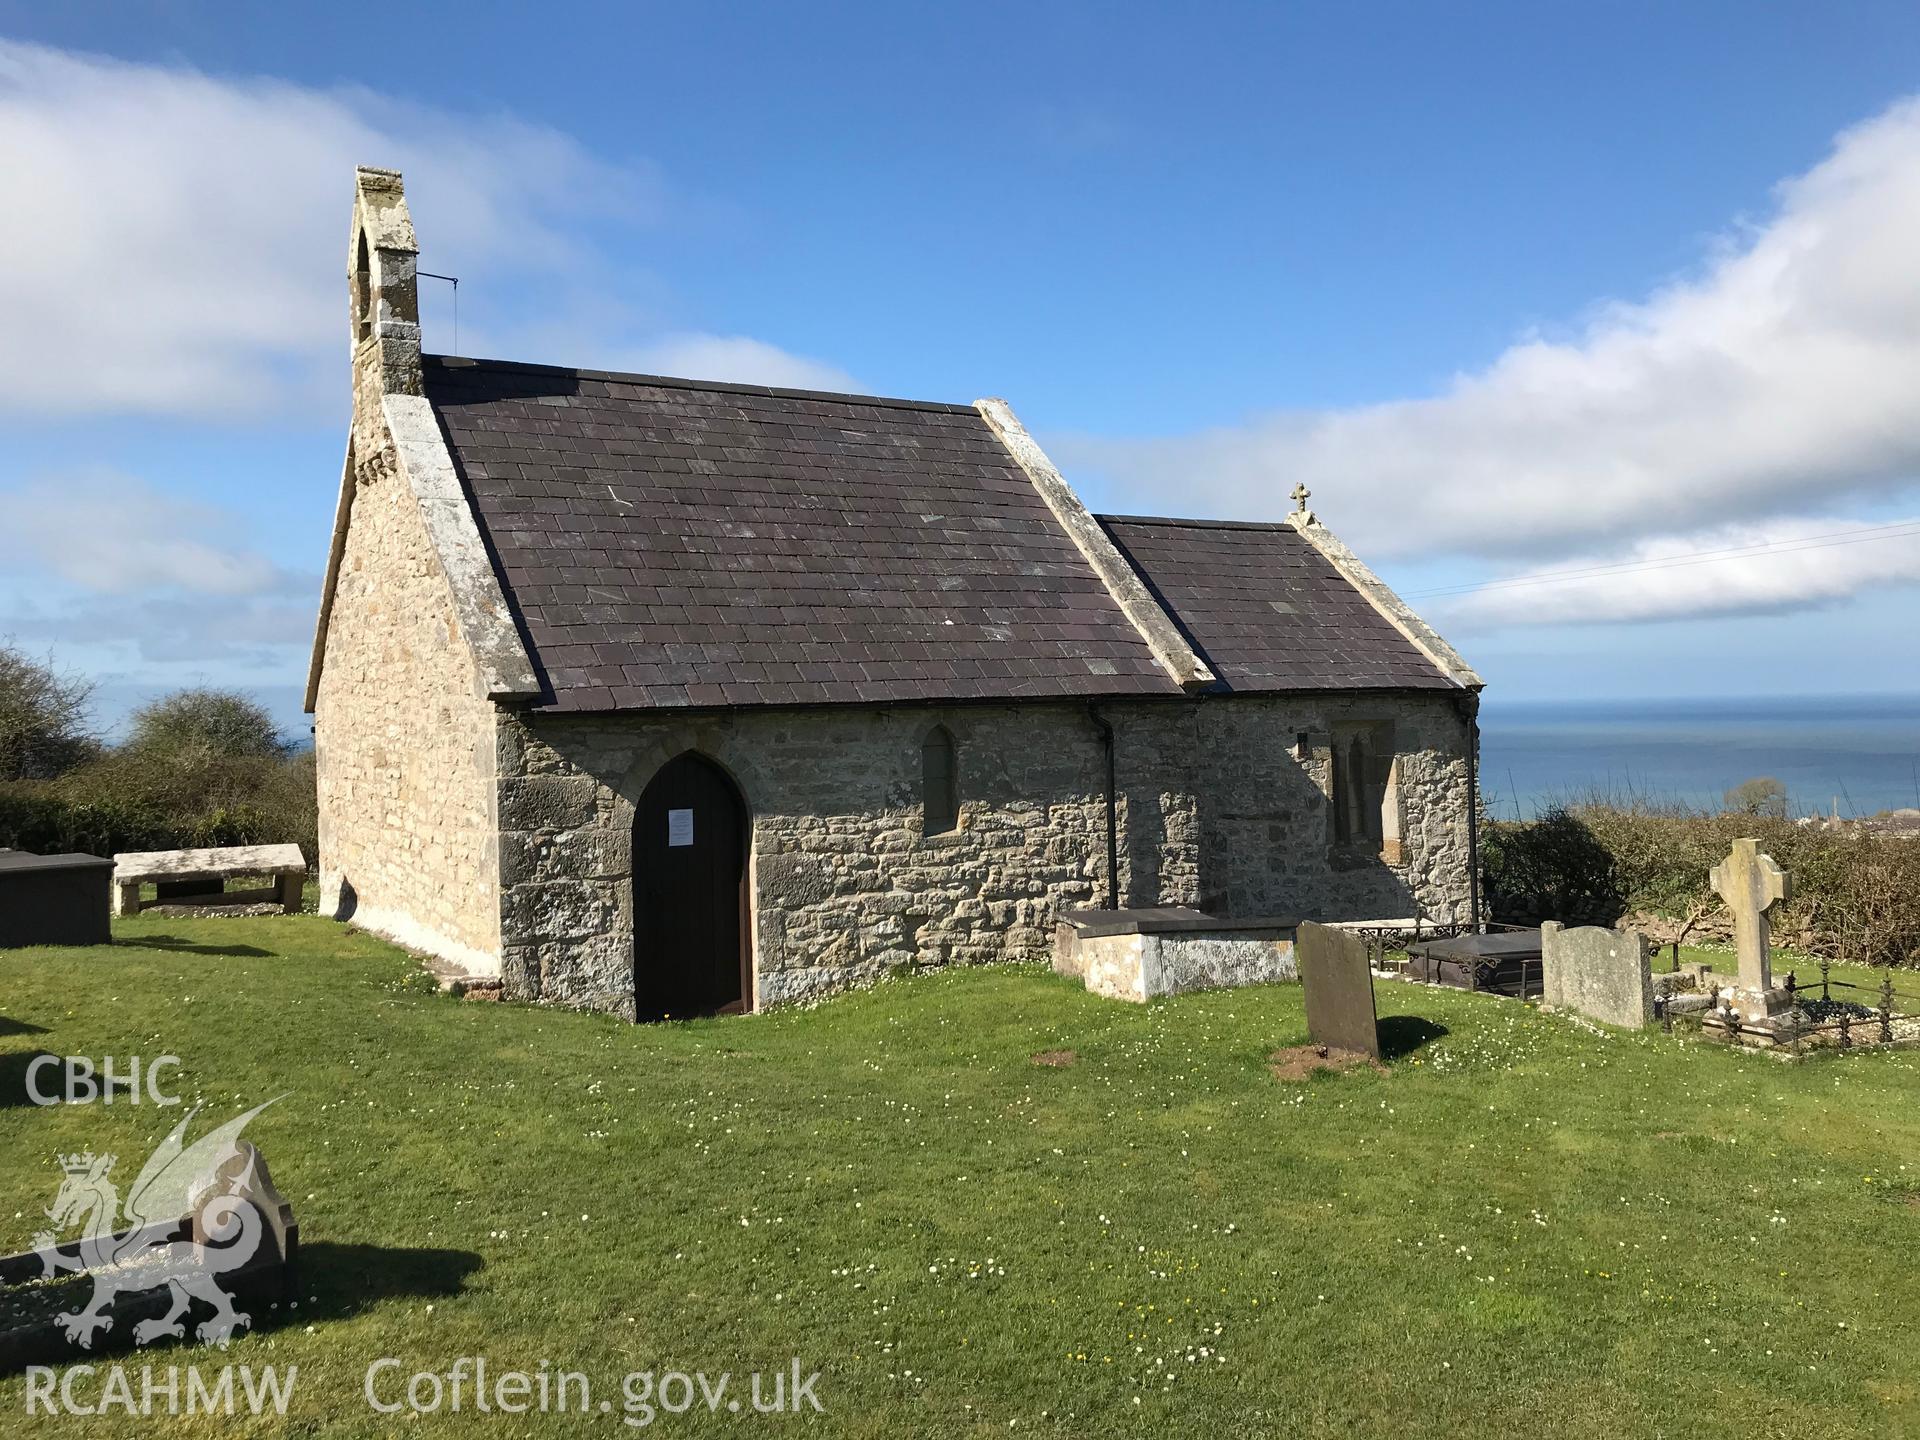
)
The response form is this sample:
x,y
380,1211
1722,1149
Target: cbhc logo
x,y
82,1084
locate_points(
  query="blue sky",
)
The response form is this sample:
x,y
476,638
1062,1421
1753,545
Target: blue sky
x,y
1517,289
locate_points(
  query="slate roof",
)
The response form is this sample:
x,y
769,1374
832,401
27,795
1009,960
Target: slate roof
x,y
1266,610
673,543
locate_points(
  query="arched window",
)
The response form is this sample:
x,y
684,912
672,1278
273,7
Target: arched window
x,y
362,290
1351,812
1363,789
939,782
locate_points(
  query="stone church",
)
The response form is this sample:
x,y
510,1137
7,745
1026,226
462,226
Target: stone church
x,y
670,697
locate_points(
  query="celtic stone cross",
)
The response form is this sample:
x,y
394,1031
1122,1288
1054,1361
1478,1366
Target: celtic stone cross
x,y
1300,495
1752,884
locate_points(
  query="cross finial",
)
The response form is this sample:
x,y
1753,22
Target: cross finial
x,y
1300,495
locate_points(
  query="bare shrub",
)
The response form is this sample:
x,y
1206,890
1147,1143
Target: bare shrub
x,y
1762,795
44,727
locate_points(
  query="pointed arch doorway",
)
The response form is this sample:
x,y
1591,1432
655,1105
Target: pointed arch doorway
x,y
691,954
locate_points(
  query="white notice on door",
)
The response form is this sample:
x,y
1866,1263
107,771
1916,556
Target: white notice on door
x,y
679,827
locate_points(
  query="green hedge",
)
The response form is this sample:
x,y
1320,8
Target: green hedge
x,y
133,802
1856,893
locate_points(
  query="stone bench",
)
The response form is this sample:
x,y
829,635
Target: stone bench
x,y
199,877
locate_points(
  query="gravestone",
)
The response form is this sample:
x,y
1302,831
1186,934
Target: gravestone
x,y
1751,884
1603,974
199,877
1339,984
243,1176
156,1269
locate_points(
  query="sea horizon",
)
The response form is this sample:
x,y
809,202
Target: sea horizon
x,y
1858,754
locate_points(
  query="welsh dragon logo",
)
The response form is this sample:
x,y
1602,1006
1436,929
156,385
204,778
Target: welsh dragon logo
x,y
204,1184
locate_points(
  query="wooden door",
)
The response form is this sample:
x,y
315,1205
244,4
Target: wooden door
x,y
690,931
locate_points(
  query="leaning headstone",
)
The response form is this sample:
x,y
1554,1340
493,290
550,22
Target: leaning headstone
x,y
140,1284
1751,884
1339,984
1603,974
242,1178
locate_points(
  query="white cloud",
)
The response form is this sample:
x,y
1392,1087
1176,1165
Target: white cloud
x,y
175,243
115,534
103,565
1784,376
737,358
246,636
1779,566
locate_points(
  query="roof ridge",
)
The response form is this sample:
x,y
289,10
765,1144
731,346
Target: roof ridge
x,y
677,382
1274,525
1146,611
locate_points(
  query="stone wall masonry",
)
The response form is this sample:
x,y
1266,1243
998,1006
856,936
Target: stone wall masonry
x,y
1212,803
404,744
845,883
1265,814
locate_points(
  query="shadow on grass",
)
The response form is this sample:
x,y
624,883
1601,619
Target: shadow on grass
x,y
331,1282
343,1280
13,1077
20,1027
188,947
1401,1035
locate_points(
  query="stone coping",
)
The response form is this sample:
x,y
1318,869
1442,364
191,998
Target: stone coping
x,y
15,861
1165,920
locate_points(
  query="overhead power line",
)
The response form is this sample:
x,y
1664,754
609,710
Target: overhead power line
x,y
1824,541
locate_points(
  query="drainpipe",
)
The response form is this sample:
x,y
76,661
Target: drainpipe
x,y
1470,712
1105,727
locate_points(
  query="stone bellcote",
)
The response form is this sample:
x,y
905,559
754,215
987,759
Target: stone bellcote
x,y
385,291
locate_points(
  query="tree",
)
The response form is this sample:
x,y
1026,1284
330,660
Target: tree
x,y
196,726
43,718
1762,795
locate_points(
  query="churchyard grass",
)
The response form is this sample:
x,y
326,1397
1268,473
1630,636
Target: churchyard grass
x,y
1526,1226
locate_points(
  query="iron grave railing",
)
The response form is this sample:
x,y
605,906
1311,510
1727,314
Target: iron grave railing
x,y
1817,1018
1384,941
